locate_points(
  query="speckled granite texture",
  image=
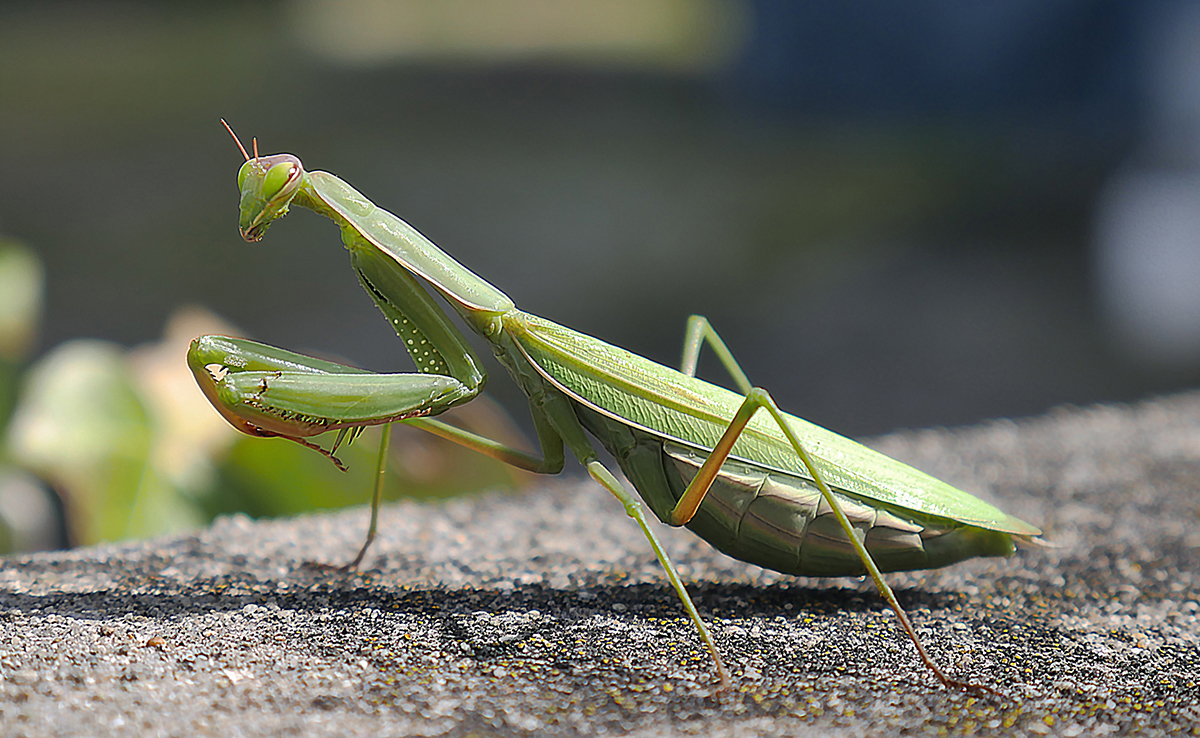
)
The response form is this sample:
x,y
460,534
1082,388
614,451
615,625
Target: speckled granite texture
x,y
544,613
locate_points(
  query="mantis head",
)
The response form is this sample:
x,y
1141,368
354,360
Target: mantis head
x,y
268,184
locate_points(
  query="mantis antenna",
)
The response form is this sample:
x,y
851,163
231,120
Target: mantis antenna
x,y
239,143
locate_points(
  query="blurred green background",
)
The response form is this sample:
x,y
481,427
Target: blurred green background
x,y
897,214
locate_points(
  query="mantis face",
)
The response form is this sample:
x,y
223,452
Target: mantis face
x,y
268,184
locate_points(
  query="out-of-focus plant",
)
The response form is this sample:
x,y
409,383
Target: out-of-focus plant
x,y
26,509
133,449
21,285
93,421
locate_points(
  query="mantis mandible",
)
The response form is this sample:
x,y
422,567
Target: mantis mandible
x,y
758,484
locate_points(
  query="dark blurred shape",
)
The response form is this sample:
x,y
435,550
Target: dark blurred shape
x,y
1147,222
879,61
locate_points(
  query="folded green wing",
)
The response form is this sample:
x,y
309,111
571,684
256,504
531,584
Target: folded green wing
x,y
665,402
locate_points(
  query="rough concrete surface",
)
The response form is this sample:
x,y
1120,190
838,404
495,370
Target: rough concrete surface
x,y
545,613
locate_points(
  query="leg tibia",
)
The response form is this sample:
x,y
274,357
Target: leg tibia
x,y
700,331
633,508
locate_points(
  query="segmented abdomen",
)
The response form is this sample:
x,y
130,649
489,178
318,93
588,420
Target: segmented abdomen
x,y
779,521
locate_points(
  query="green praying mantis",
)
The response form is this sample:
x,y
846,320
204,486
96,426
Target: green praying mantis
x,y
758,484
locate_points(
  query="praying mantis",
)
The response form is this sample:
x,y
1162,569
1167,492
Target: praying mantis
x,y
758,484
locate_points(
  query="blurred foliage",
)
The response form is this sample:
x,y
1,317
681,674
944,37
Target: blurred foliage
x,y
132,448
82,424
21,286
24,505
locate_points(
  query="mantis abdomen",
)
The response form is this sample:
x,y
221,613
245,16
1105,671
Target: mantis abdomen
x,y
778,520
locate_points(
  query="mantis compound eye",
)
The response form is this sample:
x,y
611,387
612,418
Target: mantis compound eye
x,y
243,172
277,176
